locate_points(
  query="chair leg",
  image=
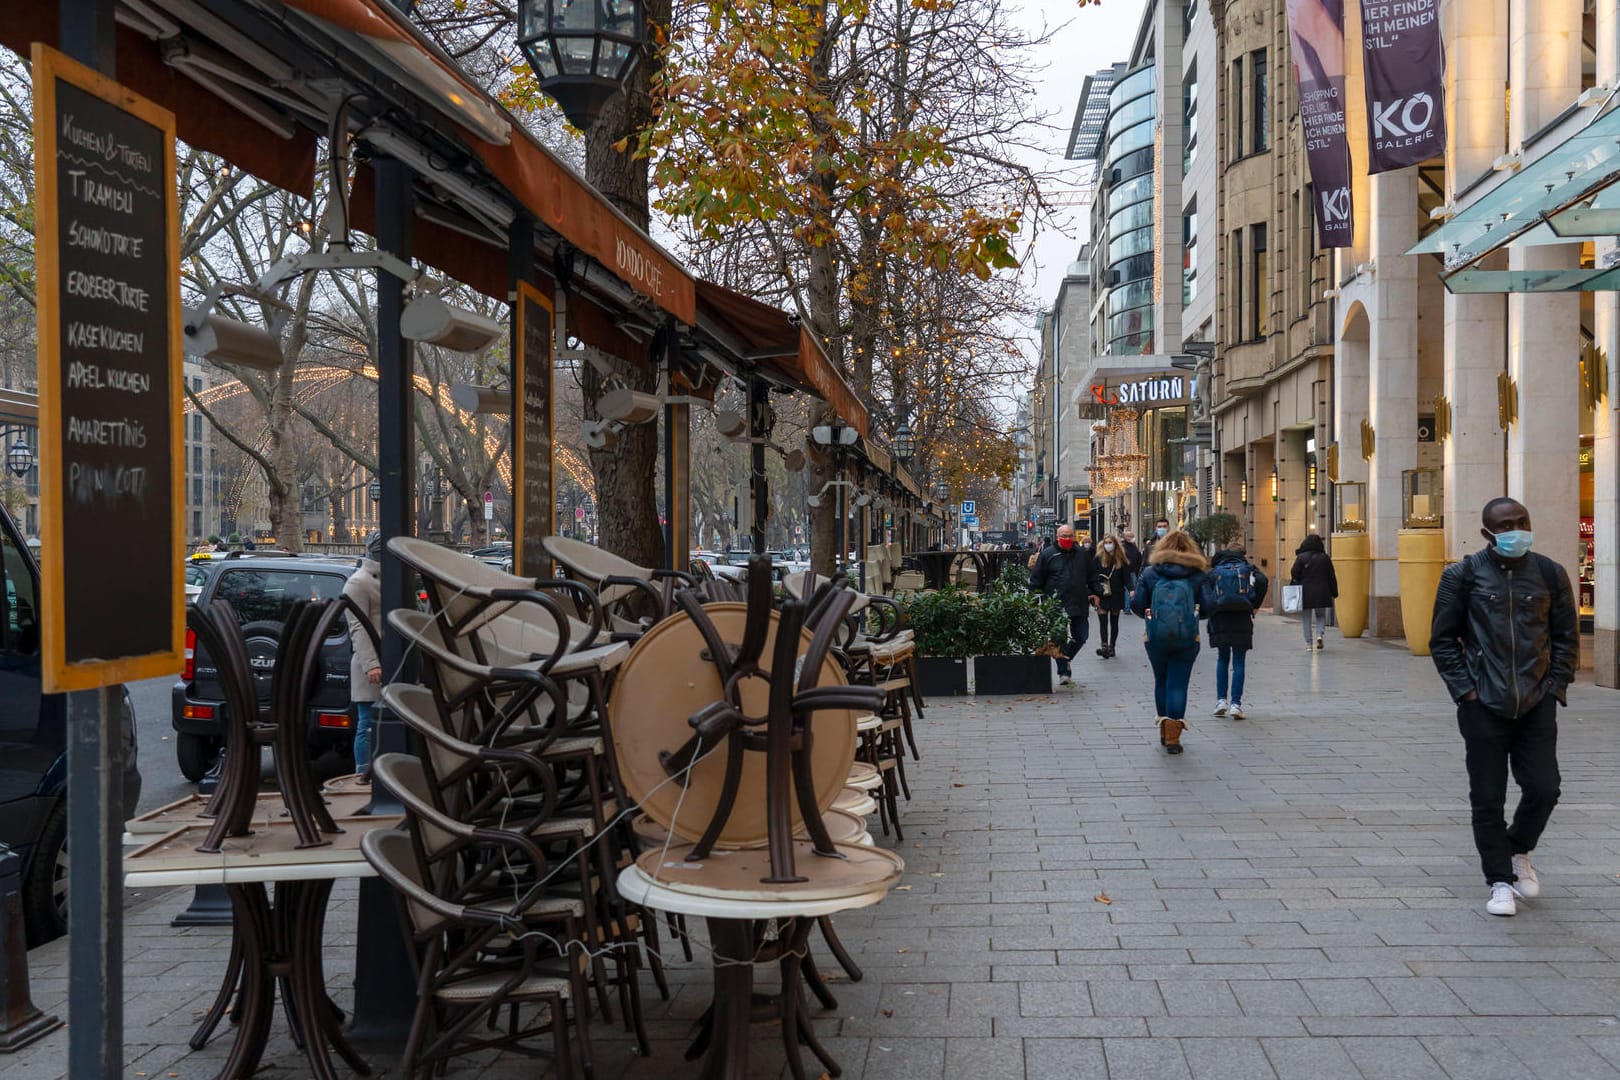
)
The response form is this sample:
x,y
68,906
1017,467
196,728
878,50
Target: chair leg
x,y
905,725
812,977
834,943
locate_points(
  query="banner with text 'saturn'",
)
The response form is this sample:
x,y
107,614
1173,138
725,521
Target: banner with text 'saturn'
x,y
1406,72
1316,32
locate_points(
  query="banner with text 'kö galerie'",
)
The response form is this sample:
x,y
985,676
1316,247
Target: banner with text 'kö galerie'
x,y
1316,32
1405,76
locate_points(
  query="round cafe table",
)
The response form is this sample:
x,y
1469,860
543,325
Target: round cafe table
x,y
738,942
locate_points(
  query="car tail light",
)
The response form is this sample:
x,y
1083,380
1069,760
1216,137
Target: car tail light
x,y
197,712
189,671
334,719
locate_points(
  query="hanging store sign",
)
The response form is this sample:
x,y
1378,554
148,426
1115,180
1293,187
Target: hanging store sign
x,y
1151,392
106,253
1405,63
1316,31
533,421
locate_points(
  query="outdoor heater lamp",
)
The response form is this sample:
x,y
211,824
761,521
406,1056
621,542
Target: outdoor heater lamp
x,y
582,51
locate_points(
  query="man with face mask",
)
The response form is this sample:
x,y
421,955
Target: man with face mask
x,y
1064,570
1504,640
1161,529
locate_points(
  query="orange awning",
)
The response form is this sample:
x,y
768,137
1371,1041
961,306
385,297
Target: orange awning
x,y
201,118
782,347
548,188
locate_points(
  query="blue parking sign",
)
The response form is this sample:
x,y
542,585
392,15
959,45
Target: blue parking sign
x,y
969,508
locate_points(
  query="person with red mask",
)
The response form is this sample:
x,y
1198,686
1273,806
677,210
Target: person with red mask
x,y
1064,570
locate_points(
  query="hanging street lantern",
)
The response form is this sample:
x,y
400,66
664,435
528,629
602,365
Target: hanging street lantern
x,y
374,489
902,441
582,51
20,458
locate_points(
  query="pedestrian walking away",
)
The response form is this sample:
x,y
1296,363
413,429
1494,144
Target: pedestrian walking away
x,y
1167,598
1319,585
1505,641
1110,588
1064,570
364,588
1234,589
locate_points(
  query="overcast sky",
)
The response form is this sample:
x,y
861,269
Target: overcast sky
x,y
1087,39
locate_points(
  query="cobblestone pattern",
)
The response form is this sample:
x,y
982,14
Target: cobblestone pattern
x,y
1295,896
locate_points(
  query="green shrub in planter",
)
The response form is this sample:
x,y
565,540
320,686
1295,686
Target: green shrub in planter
x,y
1015,622
941,620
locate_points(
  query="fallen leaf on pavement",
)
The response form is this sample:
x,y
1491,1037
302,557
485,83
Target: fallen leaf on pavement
x,y
888,1012
1102,898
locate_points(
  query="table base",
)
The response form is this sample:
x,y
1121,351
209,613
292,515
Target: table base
x,y
726,1026
278,945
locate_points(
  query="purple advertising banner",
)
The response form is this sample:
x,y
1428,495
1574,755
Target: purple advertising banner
x,y
1316,33
1406,72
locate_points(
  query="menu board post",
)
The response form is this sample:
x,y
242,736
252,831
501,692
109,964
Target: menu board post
x,y
111,464
106,250
532,423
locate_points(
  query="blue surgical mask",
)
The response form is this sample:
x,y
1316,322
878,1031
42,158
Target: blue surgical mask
x,y
1514,543
1160,532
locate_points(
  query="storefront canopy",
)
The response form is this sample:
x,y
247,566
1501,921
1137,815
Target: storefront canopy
x,y
255,81
1565,193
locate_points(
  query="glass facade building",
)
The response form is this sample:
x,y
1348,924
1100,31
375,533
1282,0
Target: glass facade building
x,y
1128,147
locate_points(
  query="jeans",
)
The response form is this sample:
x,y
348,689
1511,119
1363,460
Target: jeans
x,y
1319,616
365,720
1530,745
1079,631
1108,626
1236,656
1171,673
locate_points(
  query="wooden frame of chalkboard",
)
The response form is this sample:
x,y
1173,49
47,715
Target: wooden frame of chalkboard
x,y
112,467
534,378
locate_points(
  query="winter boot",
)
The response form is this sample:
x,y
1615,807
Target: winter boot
x,y
1170,734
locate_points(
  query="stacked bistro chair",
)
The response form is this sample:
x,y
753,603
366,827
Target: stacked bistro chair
x,y
620,585
485,938
508,669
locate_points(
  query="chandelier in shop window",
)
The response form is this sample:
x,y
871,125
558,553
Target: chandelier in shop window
x,y
1120,462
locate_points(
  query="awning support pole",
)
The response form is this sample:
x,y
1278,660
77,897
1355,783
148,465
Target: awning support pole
x,y
677,467
95,747
759,405
384,987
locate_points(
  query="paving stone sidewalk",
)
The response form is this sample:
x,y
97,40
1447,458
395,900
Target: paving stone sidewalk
x,y
1295,896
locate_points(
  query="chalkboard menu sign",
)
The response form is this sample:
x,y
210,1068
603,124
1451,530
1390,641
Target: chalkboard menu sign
x,y
533,415
111,462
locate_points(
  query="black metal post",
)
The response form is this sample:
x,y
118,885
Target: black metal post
x,y
21,1022
759,490
95,757
384,988
519,267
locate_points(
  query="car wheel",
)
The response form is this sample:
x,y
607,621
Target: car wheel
x,y
196,754
45,892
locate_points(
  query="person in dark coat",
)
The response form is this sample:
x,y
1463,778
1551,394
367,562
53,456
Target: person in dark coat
x,y
1064,570
1110,589
1231,628
1313,573
1133,555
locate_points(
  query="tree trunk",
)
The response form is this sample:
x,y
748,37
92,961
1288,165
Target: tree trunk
x,y
626,503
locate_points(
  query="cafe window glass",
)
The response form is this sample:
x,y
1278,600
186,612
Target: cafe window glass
x,y
1258,293
1259,102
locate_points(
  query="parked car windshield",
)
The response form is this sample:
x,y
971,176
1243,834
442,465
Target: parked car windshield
x,y
260,594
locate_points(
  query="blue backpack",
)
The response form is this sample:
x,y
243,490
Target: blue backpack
x,y
1174,614
1231,584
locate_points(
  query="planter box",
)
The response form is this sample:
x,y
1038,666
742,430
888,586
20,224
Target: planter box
x,y
1012,675
942,676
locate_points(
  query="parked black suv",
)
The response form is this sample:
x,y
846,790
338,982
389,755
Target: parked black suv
x,y
263,591
33,748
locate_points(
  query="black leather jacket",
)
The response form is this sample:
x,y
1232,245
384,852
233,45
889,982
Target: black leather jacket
x,y
1502,633
1065,575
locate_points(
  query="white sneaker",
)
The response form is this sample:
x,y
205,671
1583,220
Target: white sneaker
x,y
1503,899
1318,641
1220,707
1235,712
1529,885
1065,681
1309,647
